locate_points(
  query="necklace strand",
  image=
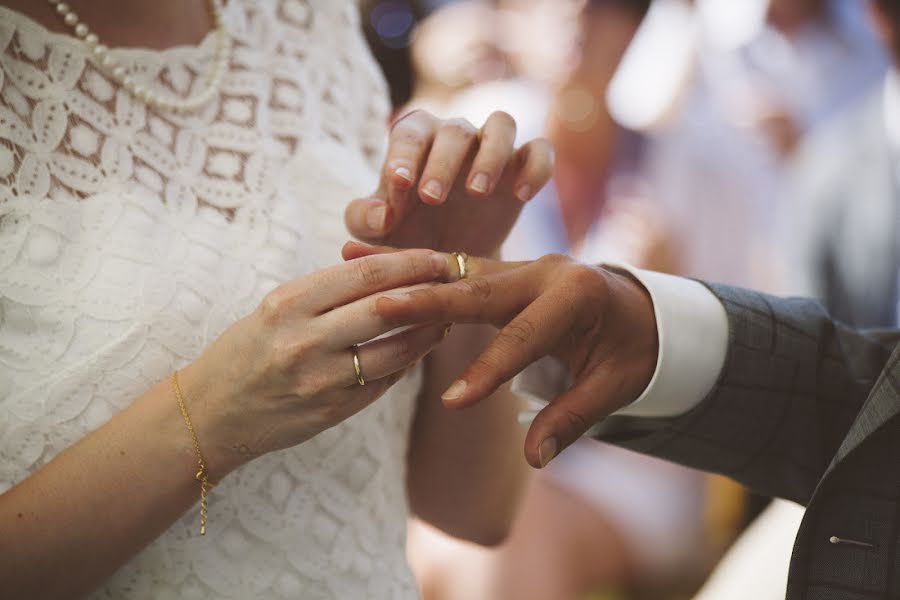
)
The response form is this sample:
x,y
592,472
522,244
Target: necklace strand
x,y
168,103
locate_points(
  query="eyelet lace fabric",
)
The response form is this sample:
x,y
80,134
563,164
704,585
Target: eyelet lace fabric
x,y
130,239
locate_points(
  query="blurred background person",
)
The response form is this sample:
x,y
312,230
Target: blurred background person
x,y
724,90
844,245
590,144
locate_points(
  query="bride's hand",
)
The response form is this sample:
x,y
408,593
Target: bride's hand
x,y
448,186
286,372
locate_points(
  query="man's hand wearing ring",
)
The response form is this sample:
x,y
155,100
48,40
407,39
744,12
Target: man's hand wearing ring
x,y
600,322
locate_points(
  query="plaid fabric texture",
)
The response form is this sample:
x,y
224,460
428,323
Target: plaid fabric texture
x,y
805,409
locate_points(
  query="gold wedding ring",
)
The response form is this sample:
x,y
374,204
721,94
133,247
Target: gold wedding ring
x,y
462,259
359,376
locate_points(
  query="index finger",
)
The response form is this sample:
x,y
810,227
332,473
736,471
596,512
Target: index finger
x,y
530,335
359,278
409,142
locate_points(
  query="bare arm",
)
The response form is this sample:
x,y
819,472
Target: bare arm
x,y
73,523
274,379
455,456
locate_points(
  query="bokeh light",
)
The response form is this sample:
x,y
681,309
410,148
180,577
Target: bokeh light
x,y
393,21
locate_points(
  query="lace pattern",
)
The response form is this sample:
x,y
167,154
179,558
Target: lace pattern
x,y
130,239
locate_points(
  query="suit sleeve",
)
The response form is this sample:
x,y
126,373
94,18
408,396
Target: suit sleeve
x,y
788,392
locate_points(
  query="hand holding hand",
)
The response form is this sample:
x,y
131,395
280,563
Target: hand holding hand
x,y
286,372
448,186
600,322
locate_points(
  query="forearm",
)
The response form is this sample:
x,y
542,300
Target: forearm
x,y
69,526
274,379
455,456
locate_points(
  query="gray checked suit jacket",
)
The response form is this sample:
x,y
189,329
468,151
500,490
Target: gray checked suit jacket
x,y
805,409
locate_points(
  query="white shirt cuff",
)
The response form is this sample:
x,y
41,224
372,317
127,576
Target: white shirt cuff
x,y
693,340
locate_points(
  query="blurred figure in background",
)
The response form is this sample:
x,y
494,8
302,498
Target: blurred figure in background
x,y
724,90
589,142
845,242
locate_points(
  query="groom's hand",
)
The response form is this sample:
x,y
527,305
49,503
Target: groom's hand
x,y
599,322
447,185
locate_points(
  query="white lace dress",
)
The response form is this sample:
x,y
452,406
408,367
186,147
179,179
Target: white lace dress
x,y
130,239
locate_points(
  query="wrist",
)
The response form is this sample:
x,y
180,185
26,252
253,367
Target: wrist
x,y
633,320
206,405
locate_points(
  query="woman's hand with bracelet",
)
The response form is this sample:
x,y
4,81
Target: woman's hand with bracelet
x,y
286,372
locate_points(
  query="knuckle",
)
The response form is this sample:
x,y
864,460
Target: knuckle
x,y
417,264
488,362
421,116
403,350
503,119
584,278
313,386
288,355
575,420
407,119
408,136
273,307
370,272
430,301
543,146
478,287
460,128
439,167
554,260
518,333
542,157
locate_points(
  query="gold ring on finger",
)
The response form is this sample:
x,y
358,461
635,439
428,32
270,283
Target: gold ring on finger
x,y
462,259
359,376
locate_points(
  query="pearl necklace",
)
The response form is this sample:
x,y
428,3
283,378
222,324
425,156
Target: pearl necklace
x,y
117,72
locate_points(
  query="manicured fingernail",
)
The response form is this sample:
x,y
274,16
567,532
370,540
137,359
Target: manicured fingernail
x,y
375,217
433,189
403,173
480,183
548,450
455,391
524,193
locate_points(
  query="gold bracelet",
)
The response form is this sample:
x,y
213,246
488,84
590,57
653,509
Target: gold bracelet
x,y
201,475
